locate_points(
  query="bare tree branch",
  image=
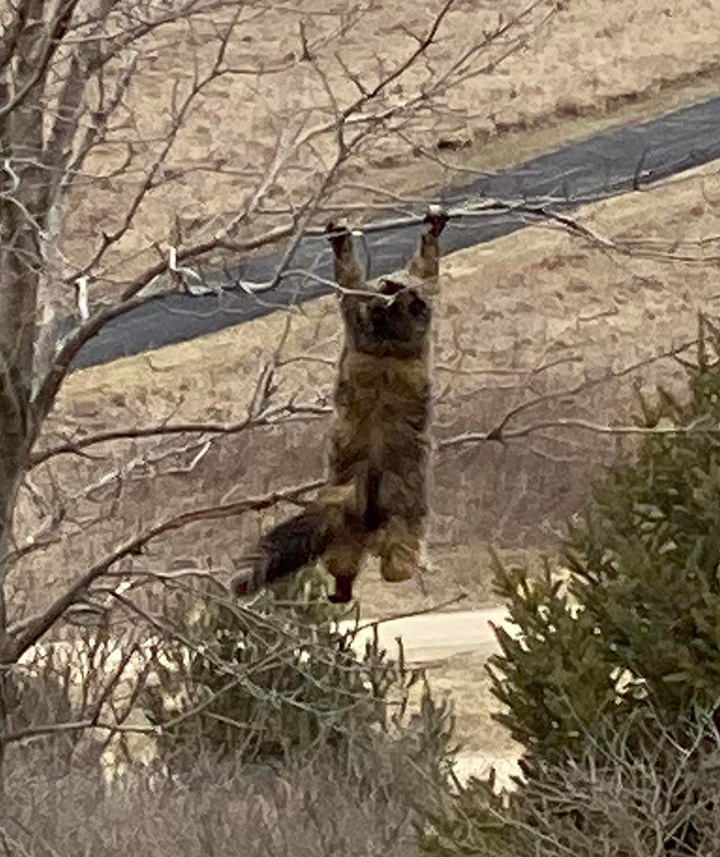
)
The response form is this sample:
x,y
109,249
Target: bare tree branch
x,y
83,443
38,627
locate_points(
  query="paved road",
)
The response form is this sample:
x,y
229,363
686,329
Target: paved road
x,y
610,162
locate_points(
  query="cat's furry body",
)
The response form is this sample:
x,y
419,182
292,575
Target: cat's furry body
x,y
375,499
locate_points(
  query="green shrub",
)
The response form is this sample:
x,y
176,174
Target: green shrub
x,y
624,641
637,622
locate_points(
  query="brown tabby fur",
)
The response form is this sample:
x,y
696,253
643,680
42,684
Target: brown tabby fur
x,y
375,499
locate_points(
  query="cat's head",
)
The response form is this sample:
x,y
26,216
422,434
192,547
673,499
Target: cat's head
x,y
394,323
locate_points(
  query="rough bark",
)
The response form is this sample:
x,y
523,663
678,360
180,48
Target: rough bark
x,y
22,224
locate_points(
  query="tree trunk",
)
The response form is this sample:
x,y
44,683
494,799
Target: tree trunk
x,y
9,482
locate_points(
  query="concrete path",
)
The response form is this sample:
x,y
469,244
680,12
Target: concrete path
x,y
436,636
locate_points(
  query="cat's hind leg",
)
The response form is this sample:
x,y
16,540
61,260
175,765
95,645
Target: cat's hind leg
x,y
343,560
400,548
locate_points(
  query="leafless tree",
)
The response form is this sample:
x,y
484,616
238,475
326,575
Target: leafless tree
x,y
130,153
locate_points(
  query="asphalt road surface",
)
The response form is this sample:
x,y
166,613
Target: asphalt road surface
x,y
612,162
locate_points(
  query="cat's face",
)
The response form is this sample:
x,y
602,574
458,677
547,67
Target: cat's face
x,y
398,327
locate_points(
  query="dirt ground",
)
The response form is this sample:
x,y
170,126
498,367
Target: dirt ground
x,y
464,680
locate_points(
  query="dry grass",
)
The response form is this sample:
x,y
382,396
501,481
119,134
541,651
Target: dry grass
x,y
536,292
535,298
526,300
317,811
539,296
462,572
594,57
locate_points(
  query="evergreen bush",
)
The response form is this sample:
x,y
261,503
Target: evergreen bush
x,y
623,641
636,620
